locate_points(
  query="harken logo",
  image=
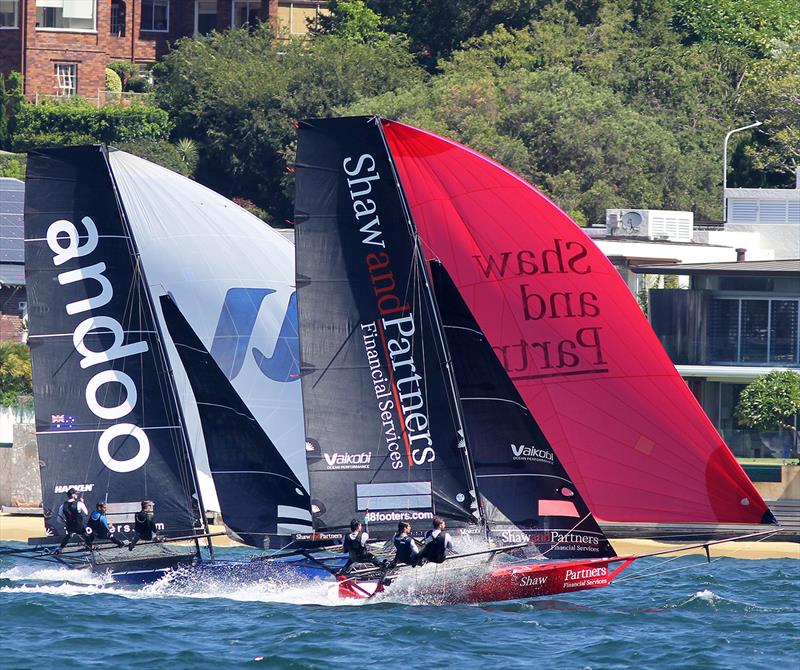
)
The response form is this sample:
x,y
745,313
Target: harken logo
x,y
347,461
523,452
81,488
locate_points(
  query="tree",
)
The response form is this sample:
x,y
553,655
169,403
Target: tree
x,y
771,402
351,20
236,93
15,372
771,92
3,113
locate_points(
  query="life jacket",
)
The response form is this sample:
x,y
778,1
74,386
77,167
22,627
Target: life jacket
x,y
73,518
353,548
99,529
144,525
435,548
403,544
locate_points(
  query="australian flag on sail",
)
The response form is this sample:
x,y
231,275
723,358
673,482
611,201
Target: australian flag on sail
x,y
62,421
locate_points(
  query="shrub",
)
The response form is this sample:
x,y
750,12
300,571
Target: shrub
x,y
15,372
113,81
138,85
254,209
76,122
13,165
125,69
188,152
160,152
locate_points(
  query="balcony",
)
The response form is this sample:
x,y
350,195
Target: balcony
x,y
702,327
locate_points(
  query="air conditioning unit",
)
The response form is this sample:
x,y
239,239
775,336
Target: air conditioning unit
x,y
654,224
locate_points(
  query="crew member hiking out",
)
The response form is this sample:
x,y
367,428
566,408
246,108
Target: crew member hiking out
x,y
406,546
144,525
100,528
354,544
73,513
437,543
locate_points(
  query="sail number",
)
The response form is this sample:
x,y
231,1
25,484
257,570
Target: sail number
x,y
65,243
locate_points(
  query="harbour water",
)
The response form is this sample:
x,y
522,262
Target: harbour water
x,y
679,613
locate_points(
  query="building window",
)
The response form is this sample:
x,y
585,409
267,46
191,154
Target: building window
x,y
76,15
155,15
9,16
244,12
750,330
118,14
205,16
67,78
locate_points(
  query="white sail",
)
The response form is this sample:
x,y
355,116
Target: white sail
x,y
233,278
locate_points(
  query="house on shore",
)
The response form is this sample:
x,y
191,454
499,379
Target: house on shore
x,y
62,47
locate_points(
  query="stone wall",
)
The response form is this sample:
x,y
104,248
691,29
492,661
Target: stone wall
x,y
19,470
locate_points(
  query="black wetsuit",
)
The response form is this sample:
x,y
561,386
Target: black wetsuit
x,y
144,528
435,549
357,552
406,549
73,521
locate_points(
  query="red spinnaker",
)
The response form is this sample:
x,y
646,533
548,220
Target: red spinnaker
x,y
572,338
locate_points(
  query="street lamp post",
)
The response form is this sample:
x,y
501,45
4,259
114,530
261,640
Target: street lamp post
x,y
725,166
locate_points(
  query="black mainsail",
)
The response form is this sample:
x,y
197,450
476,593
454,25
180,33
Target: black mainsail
x,y
107,419
258,492
384,436
527,495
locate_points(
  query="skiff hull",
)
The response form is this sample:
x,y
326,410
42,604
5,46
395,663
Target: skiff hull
x,y
512,582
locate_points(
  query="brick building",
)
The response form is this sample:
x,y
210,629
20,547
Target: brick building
x,y
62,47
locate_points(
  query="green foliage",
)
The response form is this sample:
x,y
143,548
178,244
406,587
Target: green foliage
x,y
113,81
138,84
750,24
770,402
160,152
187,149
13,165
770,92
254,209
15,372
125,69
76,122
235,94
352,21
437,28
4,133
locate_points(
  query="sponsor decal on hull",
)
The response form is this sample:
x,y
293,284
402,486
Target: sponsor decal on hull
x,y
81,488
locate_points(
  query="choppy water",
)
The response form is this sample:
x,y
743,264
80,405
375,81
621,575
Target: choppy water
x,y
660,614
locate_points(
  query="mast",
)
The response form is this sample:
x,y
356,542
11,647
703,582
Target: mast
x,y
162,354
437,320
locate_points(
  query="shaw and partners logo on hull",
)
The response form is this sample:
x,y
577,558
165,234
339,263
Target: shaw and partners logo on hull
x,y
63,239
397,380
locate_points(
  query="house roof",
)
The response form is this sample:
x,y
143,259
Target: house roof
x,y
782,268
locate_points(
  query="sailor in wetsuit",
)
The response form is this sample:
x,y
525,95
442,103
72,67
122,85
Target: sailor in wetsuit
x,y
437,543
100,528
144,525
406,546
73,513
354,544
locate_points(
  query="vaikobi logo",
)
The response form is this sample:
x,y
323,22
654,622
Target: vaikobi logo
x,y
347,461
522,452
